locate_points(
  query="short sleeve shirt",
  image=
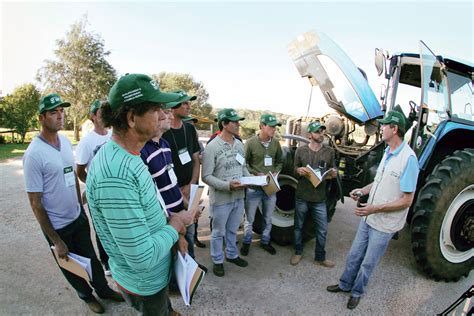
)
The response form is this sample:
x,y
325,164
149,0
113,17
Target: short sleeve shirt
x,y
48,169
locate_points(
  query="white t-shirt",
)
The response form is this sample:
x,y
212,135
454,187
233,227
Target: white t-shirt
x,y
89,146
50,170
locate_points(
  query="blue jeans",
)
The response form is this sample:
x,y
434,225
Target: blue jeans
x,y
225,223
320,220
366,251
254,199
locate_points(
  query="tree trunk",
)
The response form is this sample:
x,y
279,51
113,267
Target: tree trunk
x,y
22,135
76,130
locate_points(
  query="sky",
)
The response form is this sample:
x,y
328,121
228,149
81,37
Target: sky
x,y
238,50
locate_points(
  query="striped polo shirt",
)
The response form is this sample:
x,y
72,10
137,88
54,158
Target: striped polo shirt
x,y
129,220
157,156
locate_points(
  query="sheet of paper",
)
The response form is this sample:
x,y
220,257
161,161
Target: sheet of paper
x,y
254,180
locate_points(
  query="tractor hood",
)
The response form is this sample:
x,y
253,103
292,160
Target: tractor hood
x,y
343,85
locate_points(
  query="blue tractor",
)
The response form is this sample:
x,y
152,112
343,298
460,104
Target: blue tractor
x,y
435,94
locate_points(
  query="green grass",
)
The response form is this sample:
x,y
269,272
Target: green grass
x,y
12,150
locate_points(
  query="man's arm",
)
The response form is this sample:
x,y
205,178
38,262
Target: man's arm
x,y
208,166
397,205
278,158
248,157
45,224
196,168
81,172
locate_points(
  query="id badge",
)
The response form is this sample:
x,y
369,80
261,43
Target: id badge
x,y
267,161
184,156
172,175
69,177
240,159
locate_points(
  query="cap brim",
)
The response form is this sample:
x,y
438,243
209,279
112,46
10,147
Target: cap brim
x,y
236,118
175,103
384,121
164,97
273,125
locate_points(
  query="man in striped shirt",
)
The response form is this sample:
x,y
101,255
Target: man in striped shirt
x,y
130,222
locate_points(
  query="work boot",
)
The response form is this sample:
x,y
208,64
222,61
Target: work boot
x,y
268,248
218,269
325,263
238,261
94,305
353,302
198,243
245,249
335,289
295,259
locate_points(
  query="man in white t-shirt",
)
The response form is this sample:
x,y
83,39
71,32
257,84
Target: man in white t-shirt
x,y
86,150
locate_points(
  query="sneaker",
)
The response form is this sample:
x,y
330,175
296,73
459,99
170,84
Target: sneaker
x,y
325,263
107,270
218,269
238,261
94,305
268,248
245,249
295,259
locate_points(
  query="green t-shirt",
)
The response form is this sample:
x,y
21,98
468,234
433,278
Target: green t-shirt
x,y
129,220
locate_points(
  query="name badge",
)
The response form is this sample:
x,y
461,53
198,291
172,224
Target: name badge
x,y
172,175
267,161
69,177
240,159
184,156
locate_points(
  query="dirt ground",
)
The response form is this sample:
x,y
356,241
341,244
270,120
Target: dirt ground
x,y
31,283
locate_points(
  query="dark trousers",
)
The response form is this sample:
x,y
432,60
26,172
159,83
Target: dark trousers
x,y
157,304
77,237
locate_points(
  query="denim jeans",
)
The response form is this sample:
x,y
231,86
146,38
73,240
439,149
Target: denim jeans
x,y
225,223
366,251
320,220
254,199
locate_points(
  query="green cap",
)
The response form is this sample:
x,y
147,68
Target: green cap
x,y
94,106
190,118
269,120
183,97
50,102
394,117
313,127
137,88
229,115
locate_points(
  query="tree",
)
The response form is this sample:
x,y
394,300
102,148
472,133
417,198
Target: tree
x,y
178,81
80,74
20,109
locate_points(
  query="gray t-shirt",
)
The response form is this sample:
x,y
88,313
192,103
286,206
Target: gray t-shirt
x,y
48,169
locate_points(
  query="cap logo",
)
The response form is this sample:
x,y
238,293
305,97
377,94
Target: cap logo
x,y
396,119
271,118
181,94
55,99
233,113
155,84
134,94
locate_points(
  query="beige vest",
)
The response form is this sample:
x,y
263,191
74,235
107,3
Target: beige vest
x,y
386,188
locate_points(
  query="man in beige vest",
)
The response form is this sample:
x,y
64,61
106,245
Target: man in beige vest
x,y
390,196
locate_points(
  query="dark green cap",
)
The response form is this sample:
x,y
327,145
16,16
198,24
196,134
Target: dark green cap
x,y
269,120
50,102
94,106
229,115
137,88
313,127
394,117
183,97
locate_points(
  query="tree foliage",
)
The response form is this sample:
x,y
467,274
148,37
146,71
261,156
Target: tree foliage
x,y
179,81
80,73
20,109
